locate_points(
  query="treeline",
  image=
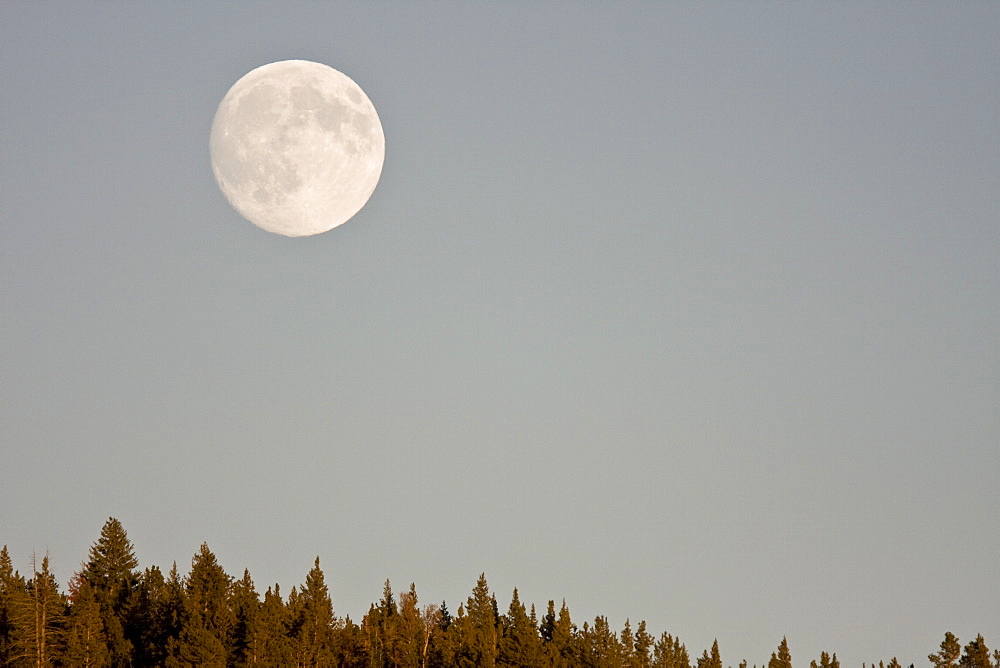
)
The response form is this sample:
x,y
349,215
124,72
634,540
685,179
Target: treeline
x,y
112,614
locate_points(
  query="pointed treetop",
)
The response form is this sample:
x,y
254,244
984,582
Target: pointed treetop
x,y
111,562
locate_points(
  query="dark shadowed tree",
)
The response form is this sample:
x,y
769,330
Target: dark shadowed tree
x,y
208,622
12,587
442,648
245,604
86,644
110,570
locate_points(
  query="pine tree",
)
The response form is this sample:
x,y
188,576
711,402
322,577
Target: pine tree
x,y
564,653
245,604
208,622
643,646
381,629
626,640
314,623
411,629
825,661
520,644
668,652
110,570
86,643
441,650
600,645
155,611
951,649
12,588
783,659
713,660
481,642
977,654
268,636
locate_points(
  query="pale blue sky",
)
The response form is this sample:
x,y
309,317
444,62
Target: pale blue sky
x,y
683,312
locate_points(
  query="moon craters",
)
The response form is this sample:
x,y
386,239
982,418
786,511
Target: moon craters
x,y
297,147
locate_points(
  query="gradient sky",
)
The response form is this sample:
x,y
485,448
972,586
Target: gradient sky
x,y
681,312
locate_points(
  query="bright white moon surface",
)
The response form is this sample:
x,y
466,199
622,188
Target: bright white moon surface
x,y
297,147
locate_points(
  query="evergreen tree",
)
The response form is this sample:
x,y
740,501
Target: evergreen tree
x,y
314,622
245,604
951,649
381,629
86,643
441,649
12,588
155,612
825,661
643,647
668,652
268,636
783,659
599,645
977,655
411,629
520,644
563,646
208,622
110,570
626,640
714,660
481,642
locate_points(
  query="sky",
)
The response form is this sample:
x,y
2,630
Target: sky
x,y
683,312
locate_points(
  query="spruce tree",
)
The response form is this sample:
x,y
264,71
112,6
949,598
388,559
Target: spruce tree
x,y
314,623
520,644
245,604
563,647
110,570
12,587
208,622
481,642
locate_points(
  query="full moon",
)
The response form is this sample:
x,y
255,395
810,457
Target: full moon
x,y
297,147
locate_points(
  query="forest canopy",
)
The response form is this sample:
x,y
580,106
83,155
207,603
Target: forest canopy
x,y
113,614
